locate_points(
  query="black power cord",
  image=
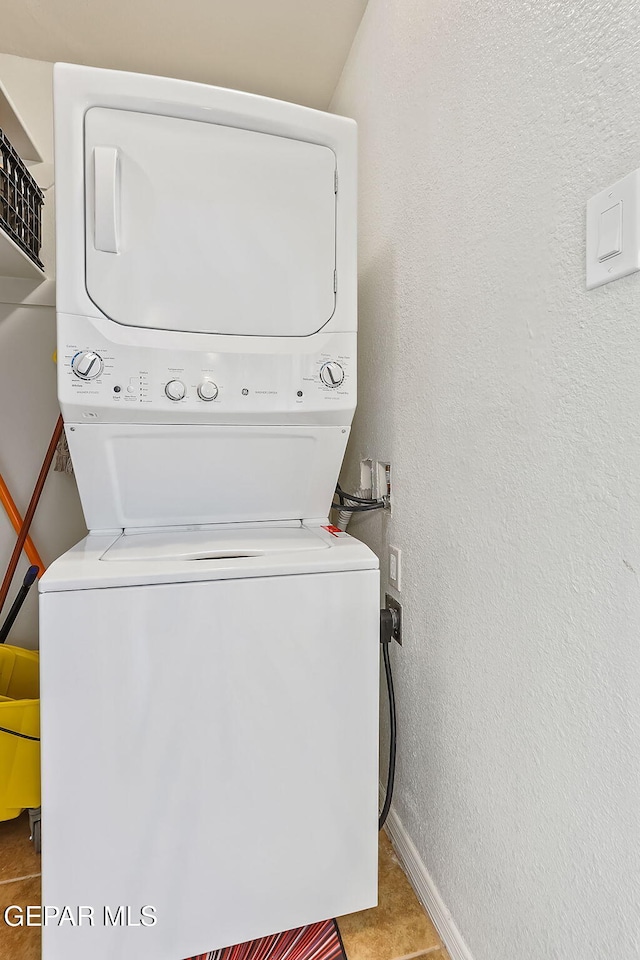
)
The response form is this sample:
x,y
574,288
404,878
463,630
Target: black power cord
x,y
359,508
342,496
353,504
388,624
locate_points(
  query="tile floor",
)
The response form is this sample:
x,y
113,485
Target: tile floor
x,y
19,884
397,929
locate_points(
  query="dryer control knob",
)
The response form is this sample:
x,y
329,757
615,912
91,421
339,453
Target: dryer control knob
x,y
332,374
175,390
87,365
207,390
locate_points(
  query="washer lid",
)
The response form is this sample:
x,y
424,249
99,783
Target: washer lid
x,y
201,554
228,543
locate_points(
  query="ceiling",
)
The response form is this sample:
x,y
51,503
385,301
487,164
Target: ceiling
x,y
288,49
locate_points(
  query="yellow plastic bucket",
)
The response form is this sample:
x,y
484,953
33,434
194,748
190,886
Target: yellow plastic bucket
x,y
19,731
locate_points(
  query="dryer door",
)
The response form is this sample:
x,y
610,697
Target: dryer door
x,y
200,227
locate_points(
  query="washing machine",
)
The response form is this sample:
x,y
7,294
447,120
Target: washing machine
x,y
209,653
209,716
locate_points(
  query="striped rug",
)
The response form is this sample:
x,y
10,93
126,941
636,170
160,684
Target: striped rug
x,y
320,941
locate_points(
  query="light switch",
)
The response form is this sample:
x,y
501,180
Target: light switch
x,y
610,233
613,231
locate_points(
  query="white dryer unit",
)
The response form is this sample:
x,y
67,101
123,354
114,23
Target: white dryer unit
x,y
206,279
209,653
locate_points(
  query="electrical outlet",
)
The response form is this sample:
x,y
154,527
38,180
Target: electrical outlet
x,y
392,604
395,569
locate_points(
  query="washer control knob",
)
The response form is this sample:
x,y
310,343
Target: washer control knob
x,y
332,374
207,390
175,390
87,365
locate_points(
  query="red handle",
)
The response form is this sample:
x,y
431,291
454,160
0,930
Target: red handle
x,y
31,509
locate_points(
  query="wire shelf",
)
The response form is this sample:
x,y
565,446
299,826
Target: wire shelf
x,y
21,201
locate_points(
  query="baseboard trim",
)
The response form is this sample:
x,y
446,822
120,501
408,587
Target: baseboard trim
x,y
425,888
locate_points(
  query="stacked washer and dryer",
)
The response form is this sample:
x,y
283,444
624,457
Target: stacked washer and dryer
x,y
209,653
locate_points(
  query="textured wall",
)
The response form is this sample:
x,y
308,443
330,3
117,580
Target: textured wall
x,y
508,399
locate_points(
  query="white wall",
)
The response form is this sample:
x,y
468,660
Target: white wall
x,y
508,399
28,402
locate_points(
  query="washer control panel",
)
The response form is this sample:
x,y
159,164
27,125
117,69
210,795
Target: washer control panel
x,y
122,382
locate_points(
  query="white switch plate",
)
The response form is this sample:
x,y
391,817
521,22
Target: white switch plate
x,y
395,567
602,232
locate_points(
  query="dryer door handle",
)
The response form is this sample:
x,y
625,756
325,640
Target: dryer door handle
x,y
105,164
